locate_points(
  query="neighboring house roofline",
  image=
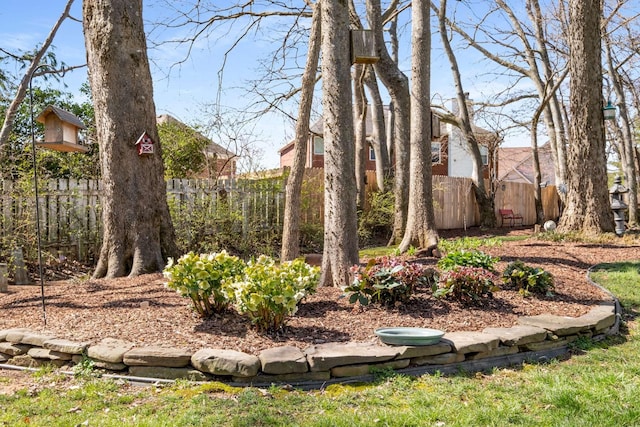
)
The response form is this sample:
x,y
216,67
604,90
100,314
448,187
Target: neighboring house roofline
x,y
212,147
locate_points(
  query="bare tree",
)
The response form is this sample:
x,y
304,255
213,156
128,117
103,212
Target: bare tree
x,y
138,233
421,225
463,121
397,85
623,126
291,224
340,222
587,208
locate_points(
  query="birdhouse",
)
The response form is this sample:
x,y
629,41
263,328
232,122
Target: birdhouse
x,y
363,48
61,130
144,144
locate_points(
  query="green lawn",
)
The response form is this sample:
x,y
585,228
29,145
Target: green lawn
x,y
598,386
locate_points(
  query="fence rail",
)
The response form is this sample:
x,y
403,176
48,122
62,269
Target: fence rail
x,y
70,210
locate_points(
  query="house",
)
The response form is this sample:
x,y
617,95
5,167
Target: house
x,y
449,153
516,165
221,162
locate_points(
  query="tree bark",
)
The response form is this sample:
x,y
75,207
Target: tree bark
x,y
340,222
378,134
360,125
138,233
421,225
397,84
587,208
292,208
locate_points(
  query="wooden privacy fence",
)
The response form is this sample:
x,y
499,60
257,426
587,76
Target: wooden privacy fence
x,y
70,209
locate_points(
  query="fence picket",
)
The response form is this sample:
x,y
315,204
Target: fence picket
x,y
71,209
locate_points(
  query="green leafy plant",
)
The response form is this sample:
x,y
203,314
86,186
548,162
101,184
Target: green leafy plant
x,y
468,285
85,368
464,258
387,281
268,293
467,243
527,279
204,278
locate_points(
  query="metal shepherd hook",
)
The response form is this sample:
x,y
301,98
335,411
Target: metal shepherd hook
x,y
35,184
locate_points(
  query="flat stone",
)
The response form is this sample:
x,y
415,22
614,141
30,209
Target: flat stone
x,y
602,317
283,360
549,344
43,353
496,352
323,357
284,378
559,325
519,334
108,365
359,370
66,346
4,357
409,352
157,356
109,350
15,336
167,373
13,349
471,342
35,339
439,359
226,362
5,332
24,360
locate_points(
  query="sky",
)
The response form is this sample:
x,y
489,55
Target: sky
x,y
186,89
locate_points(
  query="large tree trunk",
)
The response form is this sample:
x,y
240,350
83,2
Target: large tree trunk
x,y
421,225
293,189
340,221
587,209
397,84
138,233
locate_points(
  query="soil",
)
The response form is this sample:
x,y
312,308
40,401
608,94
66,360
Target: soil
x,y
142,310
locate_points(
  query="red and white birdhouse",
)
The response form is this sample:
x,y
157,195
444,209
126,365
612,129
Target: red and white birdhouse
x,y
144,144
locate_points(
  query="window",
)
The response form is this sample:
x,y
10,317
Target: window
x,y
436,155
318,145
372,154
484,153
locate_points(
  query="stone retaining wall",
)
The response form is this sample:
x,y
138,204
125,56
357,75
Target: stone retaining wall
x,y
535,337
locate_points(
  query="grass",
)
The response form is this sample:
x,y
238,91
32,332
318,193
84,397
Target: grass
x,y
598,385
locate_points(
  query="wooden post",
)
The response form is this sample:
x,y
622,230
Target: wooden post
x,y
21,275
4,280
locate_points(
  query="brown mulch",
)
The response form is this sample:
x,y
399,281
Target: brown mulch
x,y
143,311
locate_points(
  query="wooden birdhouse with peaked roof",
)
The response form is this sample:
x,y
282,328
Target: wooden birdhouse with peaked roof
x,y
61,130
144,144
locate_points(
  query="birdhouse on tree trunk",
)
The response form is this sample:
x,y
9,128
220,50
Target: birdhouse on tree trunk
x,y
363,47
61,130
145,144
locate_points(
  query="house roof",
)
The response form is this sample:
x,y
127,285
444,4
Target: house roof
x,y
61,114
211,149
516,164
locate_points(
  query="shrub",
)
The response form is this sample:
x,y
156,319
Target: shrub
x,y
387,280
268,293
464,258
376,222
527,279
466,284
204,278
